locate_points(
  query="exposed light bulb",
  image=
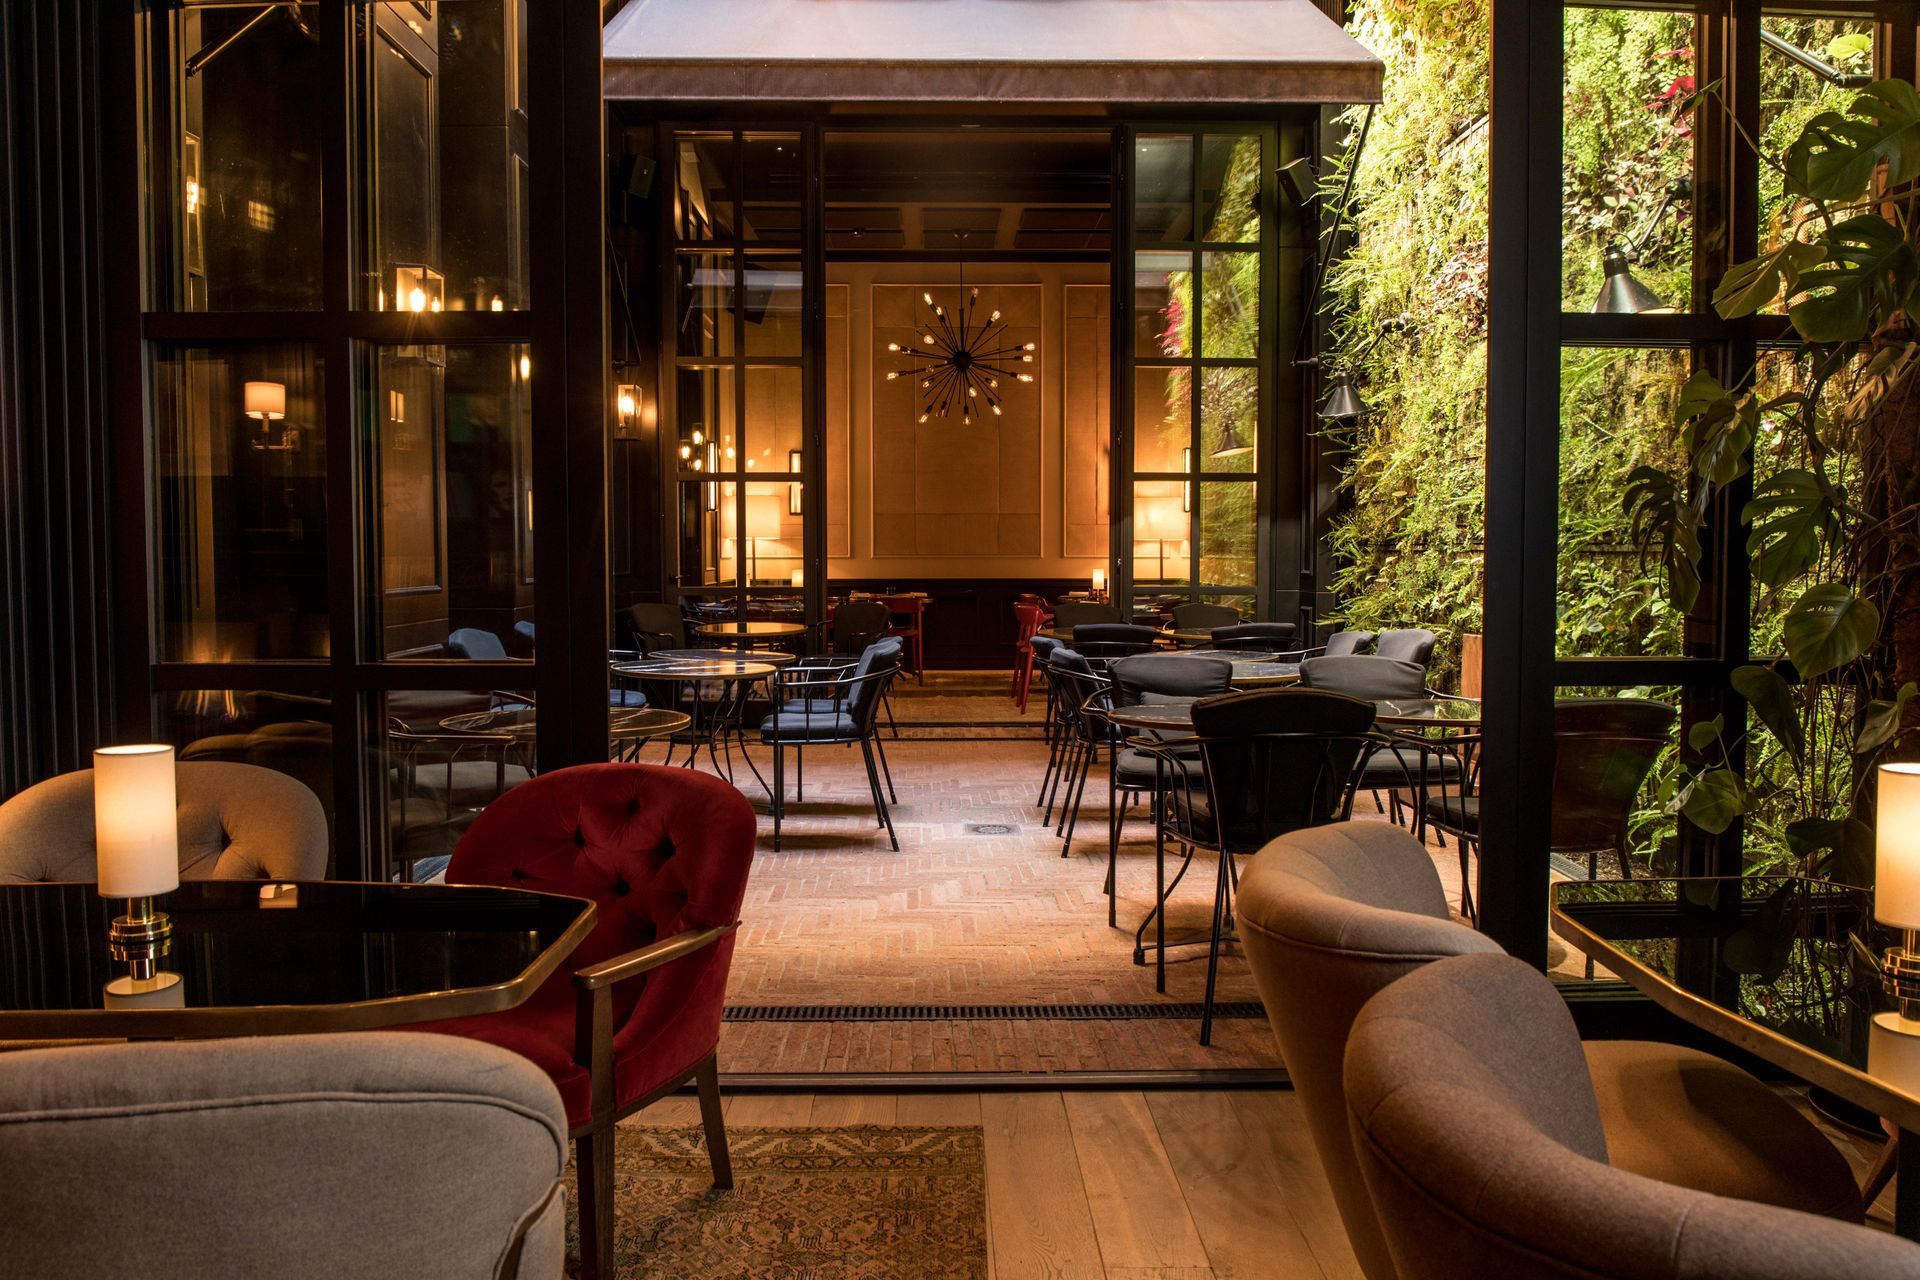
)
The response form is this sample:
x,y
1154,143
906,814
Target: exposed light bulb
x,y
698,438
972,392
927,338
994,316
497,304
893,346
1026,377
417,299
892,374
927,298
1030,347
686,451
1026,359
996,411
923,417
526,368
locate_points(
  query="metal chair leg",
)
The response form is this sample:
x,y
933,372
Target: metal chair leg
x,y
879,801
1213,948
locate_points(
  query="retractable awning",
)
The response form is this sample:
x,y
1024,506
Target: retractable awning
x,y
990,51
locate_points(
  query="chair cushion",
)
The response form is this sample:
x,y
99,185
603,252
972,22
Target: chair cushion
x,y
472,782
1687,1118
626,698
1135,768
1455,813
1407,766
798,726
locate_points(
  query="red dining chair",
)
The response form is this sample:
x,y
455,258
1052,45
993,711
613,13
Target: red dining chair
x,y
664,854
909,623
1030,618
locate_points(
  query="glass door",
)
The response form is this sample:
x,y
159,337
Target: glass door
x,y
741,311
1195,341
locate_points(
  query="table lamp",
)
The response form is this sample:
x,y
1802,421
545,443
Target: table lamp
x,y
136,836
1162,521
1896,893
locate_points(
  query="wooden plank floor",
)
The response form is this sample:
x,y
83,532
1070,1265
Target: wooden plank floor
x,y
1114,1186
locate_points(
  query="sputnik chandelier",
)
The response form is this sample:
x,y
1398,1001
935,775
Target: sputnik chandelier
x,y
967,361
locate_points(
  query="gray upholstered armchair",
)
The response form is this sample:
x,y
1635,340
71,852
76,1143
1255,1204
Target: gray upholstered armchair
x,y
237,822
1331,915
349,1157
1486,1152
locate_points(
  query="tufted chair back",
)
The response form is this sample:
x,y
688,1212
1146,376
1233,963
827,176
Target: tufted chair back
x,y
659,851
237,822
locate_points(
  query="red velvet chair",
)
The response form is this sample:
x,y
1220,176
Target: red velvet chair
x,y
1029,618
664,854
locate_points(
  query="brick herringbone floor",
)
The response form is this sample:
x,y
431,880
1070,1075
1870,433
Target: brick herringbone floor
x,y
962,917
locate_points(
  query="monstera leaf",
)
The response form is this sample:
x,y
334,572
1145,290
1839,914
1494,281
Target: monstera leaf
x,y
1869,272
1828,627
1666,523
1712,800
1847,842
1772,700
1881,722
1752,285
1790,518
1836,154
1763,946
1717,428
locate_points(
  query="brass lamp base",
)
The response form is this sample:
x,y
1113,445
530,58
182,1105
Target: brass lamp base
x,y
1900,972
141,937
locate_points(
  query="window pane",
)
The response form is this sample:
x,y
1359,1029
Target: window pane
x,y
243,207
1230,188
773,315
704,166
1616,413
1162,419
441,757
1230,291
1228,533
444,140
290,733
702,560
1163,188
240,456
452,436
1162,533
771,540
1791,94
773,419
773,173
705,299
1229,418
1627,142
704,406
1162,305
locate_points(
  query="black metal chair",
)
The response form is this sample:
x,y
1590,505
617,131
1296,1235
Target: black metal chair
x,y
657,626
1199,616
1603,750
1407,770
1339,645
1085,695
1254,635
1412,644
1061,667
818,706
859,623
1105,641
1149,677
1272,761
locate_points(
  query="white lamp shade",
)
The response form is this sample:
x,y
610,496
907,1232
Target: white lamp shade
x,y
1896,893
135,827
1099,579
266,401
1161,519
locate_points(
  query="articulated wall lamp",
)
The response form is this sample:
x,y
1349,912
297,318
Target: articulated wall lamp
x,y
1623,293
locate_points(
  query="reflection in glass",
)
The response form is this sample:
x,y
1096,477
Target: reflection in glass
x,y
240,459
704,302
1162,418
1162,305
704,168
243,206
1617,413
1230,301
452,430
771,542
1227,533
442,756
1230,188
772,311
290,733
704,407
773,436
1162,531
445,146
772,175
1229,417
1163,188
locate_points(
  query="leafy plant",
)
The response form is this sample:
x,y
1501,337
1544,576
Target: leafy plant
x,y
1848,273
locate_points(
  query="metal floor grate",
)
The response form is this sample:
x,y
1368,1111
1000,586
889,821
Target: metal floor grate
x,y
986,1012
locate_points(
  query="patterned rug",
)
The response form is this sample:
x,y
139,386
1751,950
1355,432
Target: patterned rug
x,y
857,1203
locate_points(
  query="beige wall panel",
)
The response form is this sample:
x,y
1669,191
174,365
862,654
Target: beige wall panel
x,y
1085,471
839,424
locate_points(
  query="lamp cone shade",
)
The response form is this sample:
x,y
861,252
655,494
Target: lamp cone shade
x,y
1896,848
1343,402
135,825
1232,444
1623,294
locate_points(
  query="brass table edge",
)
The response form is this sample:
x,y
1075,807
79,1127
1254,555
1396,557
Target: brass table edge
x,y
1811,1065
308,1019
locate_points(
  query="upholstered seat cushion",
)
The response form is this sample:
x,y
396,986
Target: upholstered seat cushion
x,y
798,726
467,782
1681,1116
1406,766
1134,768
631,698
1456,813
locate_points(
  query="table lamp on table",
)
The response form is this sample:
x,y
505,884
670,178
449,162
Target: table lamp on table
x,y
1896,893
137,842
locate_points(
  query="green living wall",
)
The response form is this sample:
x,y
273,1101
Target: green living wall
x,y
1409,540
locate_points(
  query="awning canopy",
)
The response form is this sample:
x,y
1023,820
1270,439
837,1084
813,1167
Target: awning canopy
x,y
991,51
